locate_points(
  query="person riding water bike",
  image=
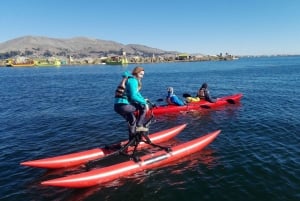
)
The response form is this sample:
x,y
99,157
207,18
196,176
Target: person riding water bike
x,y
128,100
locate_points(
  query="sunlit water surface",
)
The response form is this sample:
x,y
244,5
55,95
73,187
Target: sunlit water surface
x,y
52,111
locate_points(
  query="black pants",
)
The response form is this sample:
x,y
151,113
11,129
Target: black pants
x,y
127,112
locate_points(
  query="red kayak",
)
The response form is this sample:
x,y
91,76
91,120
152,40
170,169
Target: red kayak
x,y
153,160
166,109
83,157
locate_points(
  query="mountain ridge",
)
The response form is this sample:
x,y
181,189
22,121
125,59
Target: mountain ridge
x,y
77,46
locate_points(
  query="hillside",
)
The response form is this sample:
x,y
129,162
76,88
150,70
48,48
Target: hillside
x,y
77,47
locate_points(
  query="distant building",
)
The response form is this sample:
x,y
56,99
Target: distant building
x,y
183,56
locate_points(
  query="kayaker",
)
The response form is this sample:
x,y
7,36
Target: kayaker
x,y
203,93
128,100
172,99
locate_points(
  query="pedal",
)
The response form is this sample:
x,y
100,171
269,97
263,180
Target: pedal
x,y
168,149
136,159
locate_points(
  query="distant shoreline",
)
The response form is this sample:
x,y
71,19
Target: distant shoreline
x,y
21,61
84,61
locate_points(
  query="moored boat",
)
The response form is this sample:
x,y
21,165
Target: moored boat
x,y
25,63
83,157
117,60
149,161
55,62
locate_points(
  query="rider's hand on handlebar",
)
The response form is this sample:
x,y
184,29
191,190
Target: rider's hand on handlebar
x,y
147,107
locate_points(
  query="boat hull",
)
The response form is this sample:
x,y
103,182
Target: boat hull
x,y
202,104
149,161
79,158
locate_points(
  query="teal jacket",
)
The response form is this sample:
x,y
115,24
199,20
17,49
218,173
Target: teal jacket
x,y
132,94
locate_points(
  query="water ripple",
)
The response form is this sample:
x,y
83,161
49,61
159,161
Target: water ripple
x,y
47,112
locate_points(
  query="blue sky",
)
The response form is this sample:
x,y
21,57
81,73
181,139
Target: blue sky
x,y
238,27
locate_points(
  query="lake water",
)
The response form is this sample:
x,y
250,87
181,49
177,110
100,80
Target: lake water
x,y
52,111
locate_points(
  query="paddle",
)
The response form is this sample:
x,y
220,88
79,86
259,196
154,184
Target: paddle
x,y
205,106
230,101
153,105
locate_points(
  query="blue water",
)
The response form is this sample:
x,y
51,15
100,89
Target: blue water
x,y
52,111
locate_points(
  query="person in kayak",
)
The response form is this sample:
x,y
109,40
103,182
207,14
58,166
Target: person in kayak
x,y
128,100
203,93
172,99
